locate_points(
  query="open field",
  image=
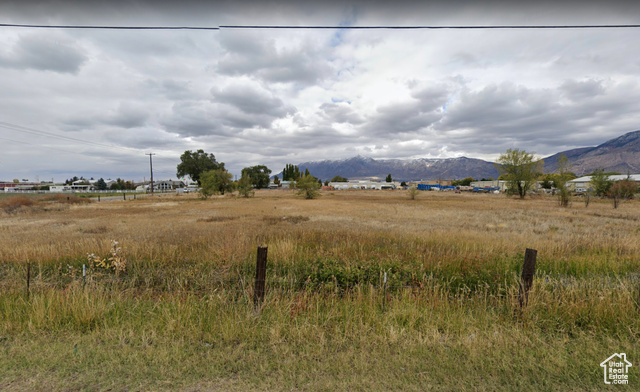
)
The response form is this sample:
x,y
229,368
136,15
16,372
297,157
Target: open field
x,y
181,317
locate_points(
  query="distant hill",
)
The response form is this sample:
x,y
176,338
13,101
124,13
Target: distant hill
x,y
621,154
360,167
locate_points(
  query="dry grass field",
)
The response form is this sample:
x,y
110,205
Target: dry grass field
x,y
181,316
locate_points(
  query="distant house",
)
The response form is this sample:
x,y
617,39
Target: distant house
x,y
72,188
434,182
493,185
287,184
582,184
364,184
167,185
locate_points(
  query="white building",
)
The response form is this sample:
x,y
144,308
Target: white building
x,y
364,184
582,184
72,188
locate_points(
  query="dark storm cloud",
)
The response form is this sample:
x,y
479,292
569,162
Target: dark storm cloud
x,y
43,52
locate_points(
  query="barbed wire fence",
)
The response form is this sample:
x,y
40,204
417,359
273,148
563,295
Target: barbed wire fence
x,y
255,285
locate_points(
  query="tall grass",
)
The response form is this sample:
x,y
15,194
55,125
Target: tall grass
x,y
448,317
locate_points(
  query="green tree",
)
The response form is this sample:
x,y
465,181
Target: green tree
x,y
520,169
258,176
67,182
622,190
290,172
121,184
413,192
101,185
547,181
339,179
600,182
245,187
464,182
194,164
308,187
214,182
564,175
389,179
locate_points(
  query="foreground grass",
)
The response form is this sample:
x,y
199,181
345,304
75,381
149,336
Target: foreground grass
x,y
182,318
92,340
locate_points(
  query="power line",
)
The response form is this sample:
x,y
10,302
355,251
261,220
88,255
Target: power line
x,y
40,145
319,27
20,128
458,27
96,27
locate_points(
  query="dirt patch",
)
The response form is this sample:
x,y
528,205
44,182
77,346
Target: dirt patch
x,y
295,219
217,219
67,199
95,230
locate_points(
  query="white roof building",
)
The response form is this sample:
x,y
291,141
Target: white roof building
x,y
584,181
364,185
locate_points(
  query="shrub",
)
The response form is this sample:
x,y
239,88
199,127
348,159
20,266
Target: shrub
x,y
15,202
308,187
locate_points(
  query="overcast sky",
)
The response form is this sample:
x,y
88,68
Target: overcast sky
x,y
93,102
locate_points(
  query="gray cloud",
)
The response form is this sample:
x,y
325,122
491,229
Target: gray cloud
x,y
251,53
340,112
279,96
45,53
128,115
193,118
580,90
251,99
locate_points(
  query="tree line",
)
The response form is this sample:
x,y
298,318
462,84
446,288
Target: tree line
x,y
519,168
213,178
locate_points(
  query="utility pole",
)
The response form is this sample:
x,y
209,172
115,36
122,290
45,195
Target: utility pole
x,y
151,167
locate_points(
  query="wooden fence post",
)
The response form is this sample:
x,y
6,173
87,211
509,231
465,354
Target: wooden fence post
x,y
638,302
384,291
528,270
28,277
261,275
124,195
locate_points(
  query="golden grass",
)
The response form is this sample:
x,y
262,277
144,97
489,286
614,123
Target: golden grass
x,y
449,308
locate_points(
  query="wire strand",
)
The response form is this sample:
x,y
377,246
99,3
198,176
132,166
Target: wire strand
x,y
96,27
319,27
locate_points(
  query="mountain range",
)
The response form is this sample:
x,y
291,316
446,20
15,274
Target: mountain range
x,y
621,154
